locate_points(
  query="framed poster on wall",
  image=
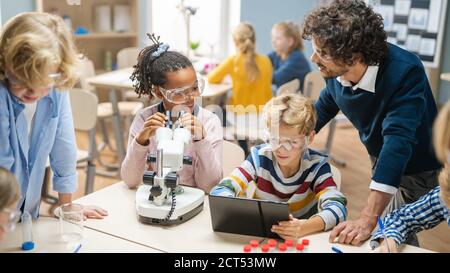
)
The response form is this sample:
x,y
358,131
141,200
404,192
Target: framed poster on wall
x,y
415,25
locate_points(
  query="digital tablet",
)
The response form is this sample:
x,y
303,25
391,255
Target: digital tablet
x,y
246,216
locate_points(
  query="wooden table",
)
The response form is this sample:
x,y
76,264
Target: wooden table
x,y
195,235
47,239
120,80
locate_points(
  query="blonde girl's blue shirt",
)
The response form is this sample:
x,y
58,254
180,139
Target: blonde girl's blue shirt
x,y
296,66
52,137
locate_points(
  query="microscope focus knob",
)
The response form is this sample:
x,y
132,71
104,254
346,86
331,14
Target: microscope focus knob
x,y
171,180
148,177
155,191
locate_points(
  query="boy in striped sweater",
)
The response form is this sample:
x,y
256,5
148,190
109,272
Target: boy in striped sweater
x,y
432,208
284,169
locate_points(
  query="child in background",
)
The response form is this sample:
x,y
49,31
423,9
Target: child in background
x,y
37,60
432,208
171,77
251,73
286,170
9,195
287,59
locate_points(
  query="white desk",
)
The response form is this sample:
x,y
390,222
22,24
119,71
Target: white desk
x,y
120,80
318,243
47,239
195,235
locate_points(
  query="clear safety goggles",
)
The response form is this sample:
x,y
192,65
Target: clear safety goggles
x,y
276,142
323,56
182,95
53,80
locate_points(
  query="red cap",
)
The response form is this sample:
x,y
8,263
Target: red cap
x,y
300,247
305,242
265,248
282,247
272,243
289,243
254,243
247,248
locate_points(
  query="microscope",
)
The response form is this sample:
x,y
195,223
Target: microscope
x,y
161,200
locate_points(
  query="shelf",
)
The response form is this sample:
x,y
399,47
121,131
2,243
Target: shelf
x,y
106,35
95,45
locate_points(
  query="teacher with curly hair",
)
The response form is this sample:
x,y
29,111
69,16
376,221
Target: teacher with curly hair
x,y
384,91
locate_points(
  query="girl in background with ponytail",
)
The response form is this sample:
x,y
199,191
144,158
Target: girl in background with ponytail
x,y
251,73
287,57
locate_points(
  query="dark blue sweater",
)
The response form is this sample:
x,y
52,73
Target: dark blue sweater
x,y
395,122
294,67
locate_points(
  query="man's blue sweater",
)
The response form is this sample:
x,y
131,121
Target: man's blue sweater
x,y
394,123
294,67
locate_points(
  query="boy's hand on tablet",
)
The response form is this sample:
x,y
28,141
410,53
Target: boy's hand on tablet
x,y
154,122
191,123
289,230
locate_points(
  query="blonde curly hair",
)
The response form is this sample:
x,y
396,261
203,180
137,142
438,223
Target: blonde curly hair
x,y
34,43
293,110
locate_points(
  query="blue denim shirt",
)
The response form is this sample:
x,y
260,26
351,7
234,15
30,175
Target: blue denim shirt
x,y
53,136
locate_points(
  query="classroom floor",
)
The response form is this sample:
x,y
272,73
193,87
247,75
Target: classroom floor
x,y
355,179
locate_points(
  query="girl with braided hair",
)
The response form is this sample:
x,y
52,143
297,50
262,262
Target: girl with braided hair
x,y
170,76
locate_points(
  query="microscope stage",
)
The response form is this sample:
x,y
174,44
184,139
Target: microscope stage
x,y
188,204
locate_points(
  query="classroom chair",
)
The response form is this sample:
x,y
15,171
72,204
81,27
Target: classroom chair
x,y
336,176
313,85
84,110
127,57
232,157
289,87
127,109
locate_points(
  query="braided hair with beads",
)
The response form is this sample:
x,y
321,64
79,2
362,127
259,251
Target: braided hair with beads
x,y
153,62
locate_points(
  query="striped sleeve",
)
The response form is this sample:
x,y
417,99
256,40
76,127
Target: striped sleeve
x,y
331,202
236,183
425,213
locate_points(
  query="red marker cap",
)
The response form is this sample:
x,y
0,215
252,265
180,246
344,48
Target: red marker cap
x,y
289,243
247,248
272,243
305,242
300,247
282,247
254,243
265,248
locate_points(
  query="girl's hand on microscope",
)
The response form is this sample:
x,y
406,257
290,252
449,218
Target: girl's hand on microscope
x,y
154,122
191,123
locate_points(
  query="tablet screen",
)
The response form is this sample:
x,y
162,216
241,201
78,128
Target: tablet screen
x,y
246,216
